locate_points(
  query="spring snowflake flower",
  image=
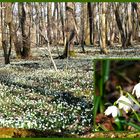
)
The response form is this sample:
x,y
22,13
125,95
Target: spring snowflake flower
x,y
112,110
125,103
136,90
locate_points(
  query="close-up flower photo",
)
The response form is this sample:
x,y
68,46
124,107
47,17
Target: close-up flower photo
x,y
117,95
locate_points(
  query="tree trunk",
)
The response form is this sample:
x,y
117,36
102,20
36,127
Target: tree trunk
x,y
23,45
103,29
94,25
90,17
136,7
129,26
126,32
120,27
62,21
49,15
134,25
82,27
6,39
70,32
112,26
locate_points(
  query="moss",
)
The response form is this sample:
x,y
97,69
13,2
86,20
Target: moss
x,y
72,54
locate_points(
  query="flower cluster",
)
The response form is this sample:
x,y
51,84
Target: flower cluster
x,y
32,95
125,103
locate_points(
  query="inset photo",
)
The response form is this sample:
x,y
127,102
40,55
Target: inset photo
x,y
117,95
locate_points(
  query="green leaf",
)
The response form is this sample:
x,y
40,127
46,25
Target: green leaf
x,y
130,124
96,105
106,70
134,100
118,123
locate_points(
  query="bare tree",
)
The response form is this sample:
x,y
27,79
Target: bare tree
x,y
70,31
125,31
136,20
90,17
49,16
21,30
6,25
82,27
103,29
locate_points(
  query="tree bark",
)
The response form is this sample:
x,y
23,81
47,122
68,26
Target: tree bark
x,y
136,7
62,21
49,15
70,31
90,17
119,24
7,22
103,29
125,34
82,27
23,46
94,25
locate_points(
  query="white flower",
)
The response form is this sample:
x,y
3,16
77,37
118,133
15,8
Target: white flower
x,y
125,103
136,90
112,110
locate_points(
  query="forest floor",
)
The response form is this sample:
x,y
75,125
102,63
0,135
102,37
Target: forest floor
x,y
94,52
35,96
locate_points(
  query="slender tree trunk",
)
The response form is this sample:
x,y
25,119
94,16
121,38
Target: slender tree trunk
x,y
58,33
112,25
49,15
62,21
120,27
129,26
94,25
126,32
103,29
134,31
6,21
136,7
25,28
90,21
82,27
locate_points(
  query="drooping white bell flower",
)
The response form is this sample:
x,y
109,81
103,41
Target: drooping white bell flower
x,y
136,90
112,110
125,103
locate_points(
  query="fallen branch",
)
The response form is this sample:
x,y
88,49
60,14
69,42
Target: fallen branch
x,y
48,48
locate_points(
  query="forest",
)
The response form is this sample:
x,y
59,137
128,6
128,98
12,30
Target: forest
x,y
47,52
68,26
